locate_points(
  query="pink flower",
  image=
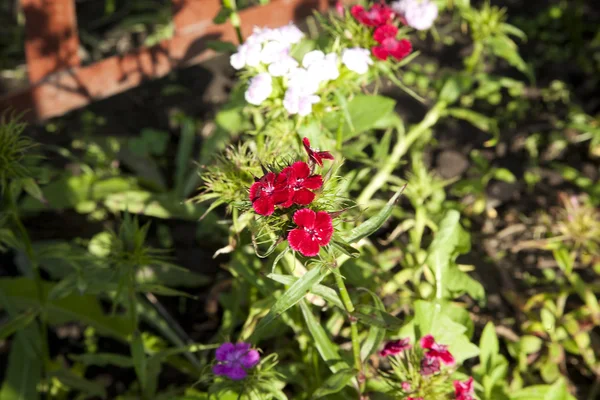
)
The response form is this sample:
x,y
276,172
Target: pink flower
x,y
314,231
377,15
395,347
339,8
414,398
390,46
315,155
268,192
300,183
436,351
406,386
234,360
464,390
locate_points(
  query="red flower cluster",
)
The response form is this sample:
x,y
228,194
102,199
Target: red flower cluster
x,y
464,390
379,16
295,185
388,44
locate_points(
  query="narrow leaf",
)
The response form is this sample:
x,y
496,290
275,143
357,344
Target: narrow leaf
x,y
371,225
293,295
23,372
324,345
374,316
320,290
335,383
102,359
16,324
139,358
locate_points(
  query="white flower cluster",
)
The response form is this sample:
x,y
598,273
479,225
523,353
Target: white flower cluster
x,y
418,14
268,50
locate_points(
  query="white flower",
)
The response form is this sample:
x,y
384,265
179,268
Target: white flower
x,y
259,89
321,67
248,54
303,81
274,51
419,14
296,101
357,59
290,34
260,35
283,66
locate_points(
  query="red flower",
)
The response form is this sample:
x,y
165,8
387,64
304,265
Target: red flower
x,y
299,181
390,46
378,14
395,347
314,154
314,230
464,390
429,366
269,191
436,351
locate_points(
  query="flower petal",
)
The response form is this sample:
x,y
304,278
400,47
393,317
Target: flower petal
x,y
236,373
264,205
255,190
385,32
401,49
309,248
427,342
301,169
380,52
447,358
324,227
313,182
303,197
305,218
250,359
224,350
296,237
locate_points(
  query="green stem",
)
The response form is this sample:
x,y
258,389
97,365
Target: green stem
x,y
400,149
43,320
234,18
339,280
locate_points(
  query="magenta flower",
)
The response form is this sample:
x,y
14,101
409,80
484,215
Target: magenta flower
x,y
436,351
234,360
464,390
394,347
314,230
388,44
429,366
300,183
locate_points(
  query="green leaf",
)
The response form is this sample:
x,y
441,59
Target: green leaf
x,y
320,290
503,174
221,46
222,16
376,334
512,30
476,119
23,372
183,157
139,359
293,295
32,188
503,47
170,275
489,346
344,247
335,383
82,308
102,359
324,345
362,114
16,324
373,224
162,290
374,316
73,381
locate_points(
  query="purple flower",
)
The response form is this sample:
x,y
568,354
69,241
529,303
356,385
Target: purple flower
x,y
234,360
